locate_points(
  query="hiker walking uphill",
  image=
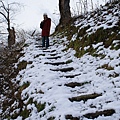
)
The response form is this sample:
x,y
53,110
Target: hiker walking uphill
x,y
45,26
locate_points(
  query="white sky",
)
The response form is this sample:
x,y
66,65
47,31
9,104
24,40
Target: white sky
x,y
31,15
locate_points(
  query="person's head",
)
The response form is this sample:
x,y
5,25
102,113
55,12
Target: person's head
x,y
45,16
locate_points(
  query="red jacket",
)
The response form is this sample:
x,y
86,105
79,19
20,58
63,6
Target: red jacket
x,y
46,27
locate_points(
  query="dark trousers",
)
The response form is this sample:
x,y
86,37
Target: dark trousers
x,y
45,39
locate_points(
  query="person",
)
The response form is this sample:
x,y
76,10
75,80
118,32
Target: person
x,y
45,26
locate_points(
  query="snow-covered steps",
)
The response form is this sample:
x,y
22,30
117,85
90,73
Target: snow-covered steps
x,y
70,117
53,54
91,116
55,63
49,51
96,114
85,97
75,84
71,76
67,69
59,62
70,88
38,46
54,57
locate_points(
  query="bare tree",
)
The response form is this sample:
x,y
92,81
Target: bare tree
x,y
65,13
79,7
82,7
7,13
92,5
85,5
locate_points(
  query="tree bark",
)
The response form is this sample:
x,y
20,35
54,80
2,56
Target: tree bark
x,y
11,37
65,14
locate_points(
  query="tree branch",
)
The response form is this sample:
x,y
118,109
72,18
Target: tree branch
x,y
3,6
4,15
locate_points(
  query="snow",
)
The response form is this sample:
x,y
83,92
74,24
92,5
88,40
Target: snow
x,y
56,94
105,19
52,83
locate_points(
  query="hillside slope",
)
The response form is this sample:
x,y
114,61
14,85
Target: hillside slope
x,y
100,26
76,78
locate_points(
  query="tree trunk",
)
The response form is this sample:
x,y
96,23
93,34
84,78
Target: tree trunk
x,y
92,5
11,37
8,17
65,14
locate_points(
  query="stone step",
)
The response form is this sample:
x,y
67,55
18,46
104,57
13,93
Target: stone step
x,y
70,76
70,117
58,63
63,69
53,54
54,57
74,84
50,51
39,55
108,112
84,97
38,46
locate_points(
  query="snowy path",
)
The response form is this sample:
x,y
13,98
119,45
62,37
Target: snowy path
x,y
69,87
